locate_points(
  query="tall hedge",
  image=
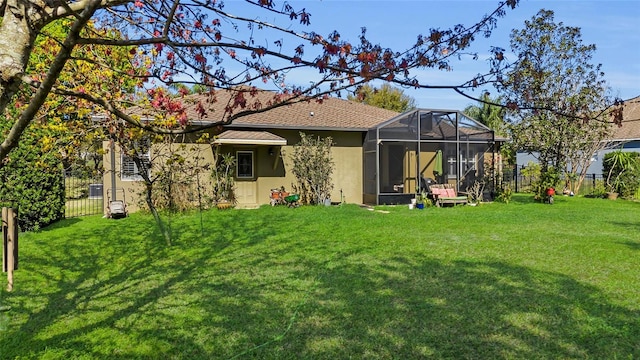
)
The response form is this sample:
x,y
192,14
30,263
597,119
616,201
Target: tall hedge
x,y
32,179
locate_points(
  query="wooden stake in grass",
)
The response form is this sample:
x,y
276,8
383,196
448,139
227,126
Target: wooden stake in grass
x,y
10,244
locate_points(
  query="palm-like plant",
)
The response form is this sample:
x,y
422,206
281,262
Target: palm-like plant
x,y
618,163
487,113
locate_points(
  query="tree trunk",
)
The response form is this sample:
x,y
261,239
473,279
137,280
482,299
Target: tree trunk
x,y
144,173
18,31
16,42
149,200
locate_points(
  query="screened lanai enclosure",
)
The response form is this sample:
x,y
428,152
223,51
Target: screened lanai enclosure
x,y
424,146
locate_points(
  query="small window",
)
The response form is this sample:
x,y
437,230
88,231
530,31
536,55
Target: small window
x,y
129,168
244,161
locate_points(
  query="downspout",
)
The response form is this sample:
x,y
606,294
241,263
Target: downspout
x,y
113,170
418,152
377,165
458,154
494,171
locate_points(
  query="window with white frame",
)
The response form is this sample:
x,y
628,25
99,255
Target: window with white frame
x,y
452,162
244,164
468,161
129,169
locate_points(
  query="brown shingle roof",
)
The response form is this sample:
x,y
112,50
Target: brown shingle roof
x,y
331,113
630,129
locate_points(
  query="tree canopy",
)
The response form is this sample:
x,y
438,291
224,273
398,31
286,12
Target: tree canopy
x,y
386,97
198,44
557,96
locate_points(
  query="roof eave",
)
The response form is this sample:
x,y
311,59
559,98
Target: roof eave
x,y
288,127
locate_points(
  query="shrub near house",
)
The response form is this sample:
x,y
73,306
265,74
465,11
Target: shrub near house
x,y
33,180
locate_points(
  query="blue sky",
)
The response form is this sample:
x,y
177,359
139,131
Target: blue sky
x,y
612,25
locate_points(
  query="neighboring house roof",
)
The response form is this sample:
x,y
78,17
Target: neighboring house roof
x,y
630,129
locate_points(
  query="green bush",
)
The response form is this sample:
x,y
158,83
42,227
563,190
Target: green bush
x,y
599,190
504,194
622,170
32,180
548,179
313,167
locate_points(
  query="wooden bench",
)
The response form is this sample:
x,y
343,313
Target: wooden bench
x,y
446,194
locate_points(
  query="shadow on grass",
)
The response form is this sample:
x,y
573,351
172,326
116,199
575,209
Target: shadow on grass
x,y
259,290
60,224
110,288
632,245
628,225
407,308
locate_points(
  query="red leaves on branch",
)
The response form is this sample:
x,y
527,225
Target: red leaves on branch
x,y
200,58
435,36
200,110
183,91
316,39
321,65
367,57
617,112
161,100
365,71
331,49
259,52
305,17
239,100
345,49
512,105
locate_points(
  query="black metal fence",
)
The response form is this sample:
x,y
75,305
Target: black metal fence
x,y
519,182
83,194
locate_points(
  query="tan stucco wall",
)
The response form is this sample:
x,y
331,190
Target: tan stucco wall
x,y
270,170
347,158
132,189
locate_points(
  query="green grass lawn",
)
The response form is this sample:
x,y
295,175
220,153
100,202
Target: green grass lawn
x,y
523,280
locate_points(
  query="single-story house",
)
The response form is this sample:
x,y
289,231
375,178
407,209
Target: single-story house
x,y
380,156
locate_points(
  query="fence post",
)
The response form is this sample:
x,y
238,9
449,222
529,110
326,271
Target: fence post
x,y
9,244
515,175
